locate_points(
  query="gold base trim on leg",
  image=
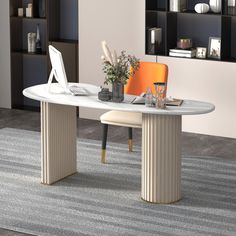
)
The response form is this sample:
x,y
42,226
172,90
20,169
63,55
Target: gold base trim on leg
x,y
103,157
161,203
130,143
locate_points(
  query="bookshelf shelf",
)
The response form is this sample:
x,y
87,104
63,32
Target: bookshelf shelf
x,y
189,24
28,69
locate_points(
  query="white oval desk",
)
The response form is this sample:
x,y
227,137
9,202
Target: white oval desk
x,y
161,138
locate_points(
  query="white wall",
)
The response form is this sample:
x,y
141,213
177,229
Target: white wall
x,y
122,23
5,75
210,81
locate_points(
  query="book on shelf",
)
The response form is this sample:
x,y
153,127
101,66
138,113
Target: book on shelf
x,y
187,51
187,55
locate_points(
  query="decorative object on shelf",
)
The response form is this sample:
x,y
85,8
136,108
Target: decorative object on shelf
x,y
20,12
38,41
231,7
31,42
184,43
182,53
215,5
178,5
160,95
105,95
118,69
201,8
214,48
154,40
29,10
201,52
41,8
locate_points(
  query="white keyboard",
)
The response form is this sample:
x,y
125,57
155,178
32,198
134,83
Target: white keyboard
x,y
77,91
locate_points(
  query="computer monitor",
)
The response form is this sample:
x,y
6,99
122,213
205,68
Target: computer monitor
x,y
58,70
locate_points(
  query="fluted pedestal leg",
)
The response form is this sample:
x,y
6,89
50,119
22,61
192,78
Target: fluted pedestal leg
x,y
58,142
161,158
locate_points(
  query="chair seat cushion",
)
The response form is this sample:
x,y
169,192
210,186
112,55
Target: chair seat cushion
x,y
120,118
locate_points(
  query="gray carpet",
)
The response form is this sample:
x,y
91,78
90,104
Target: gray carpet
x,y
105,199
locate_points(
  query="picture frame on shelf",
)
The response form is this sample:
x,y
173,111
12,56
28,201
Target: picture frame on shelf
x,y
201,52
214,48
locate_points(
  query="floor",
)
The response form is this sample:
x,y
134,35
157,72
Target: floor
x,y
193,144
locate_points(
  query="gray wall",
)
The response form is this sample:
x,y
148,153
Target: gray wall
x,y
5,74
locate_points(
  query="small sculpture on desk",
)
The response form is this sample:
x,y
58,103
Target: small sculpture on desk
x,y
104,95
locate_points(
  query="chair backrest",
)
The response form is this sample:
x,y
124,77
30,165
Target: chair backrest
x,y
148,73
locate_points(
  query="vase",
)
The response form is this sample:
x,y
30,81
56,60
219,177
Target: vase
x,y
31,42
178,5
215,5
117,92
201,8
38,41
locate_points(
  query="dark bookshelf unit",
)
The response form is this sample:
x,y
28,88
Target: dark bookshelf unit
x,y
59,27
189,24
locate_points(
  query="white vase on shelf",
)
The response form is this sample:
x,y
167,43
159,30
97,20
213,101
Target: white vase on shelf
x,y
215,6
201,8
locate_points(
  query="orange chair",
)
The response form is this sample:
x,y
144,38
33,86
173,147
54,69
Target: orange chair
x,y
146,76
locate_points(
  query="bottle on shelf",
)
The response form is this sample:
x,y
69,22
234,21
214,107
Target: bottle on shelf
x,y
230,7
29,10
38,41
20,12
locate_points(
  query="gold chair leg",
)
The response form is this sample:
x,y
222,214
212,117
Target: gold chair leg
x,y
130,143
103,157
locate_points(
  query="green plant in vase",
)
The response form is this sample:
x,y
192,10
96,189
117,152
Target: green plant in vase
x,y
118,69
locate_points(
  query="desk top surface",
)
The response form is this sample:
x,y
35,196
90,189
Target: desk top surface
x,y
58,96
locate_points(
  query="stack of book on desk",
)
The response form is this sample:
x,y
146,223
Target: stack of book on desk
x,y
141,100
189,53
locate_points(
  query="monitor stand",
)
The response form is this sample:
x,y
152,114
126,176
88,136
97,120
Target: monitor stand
x,y
53,74
50,79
